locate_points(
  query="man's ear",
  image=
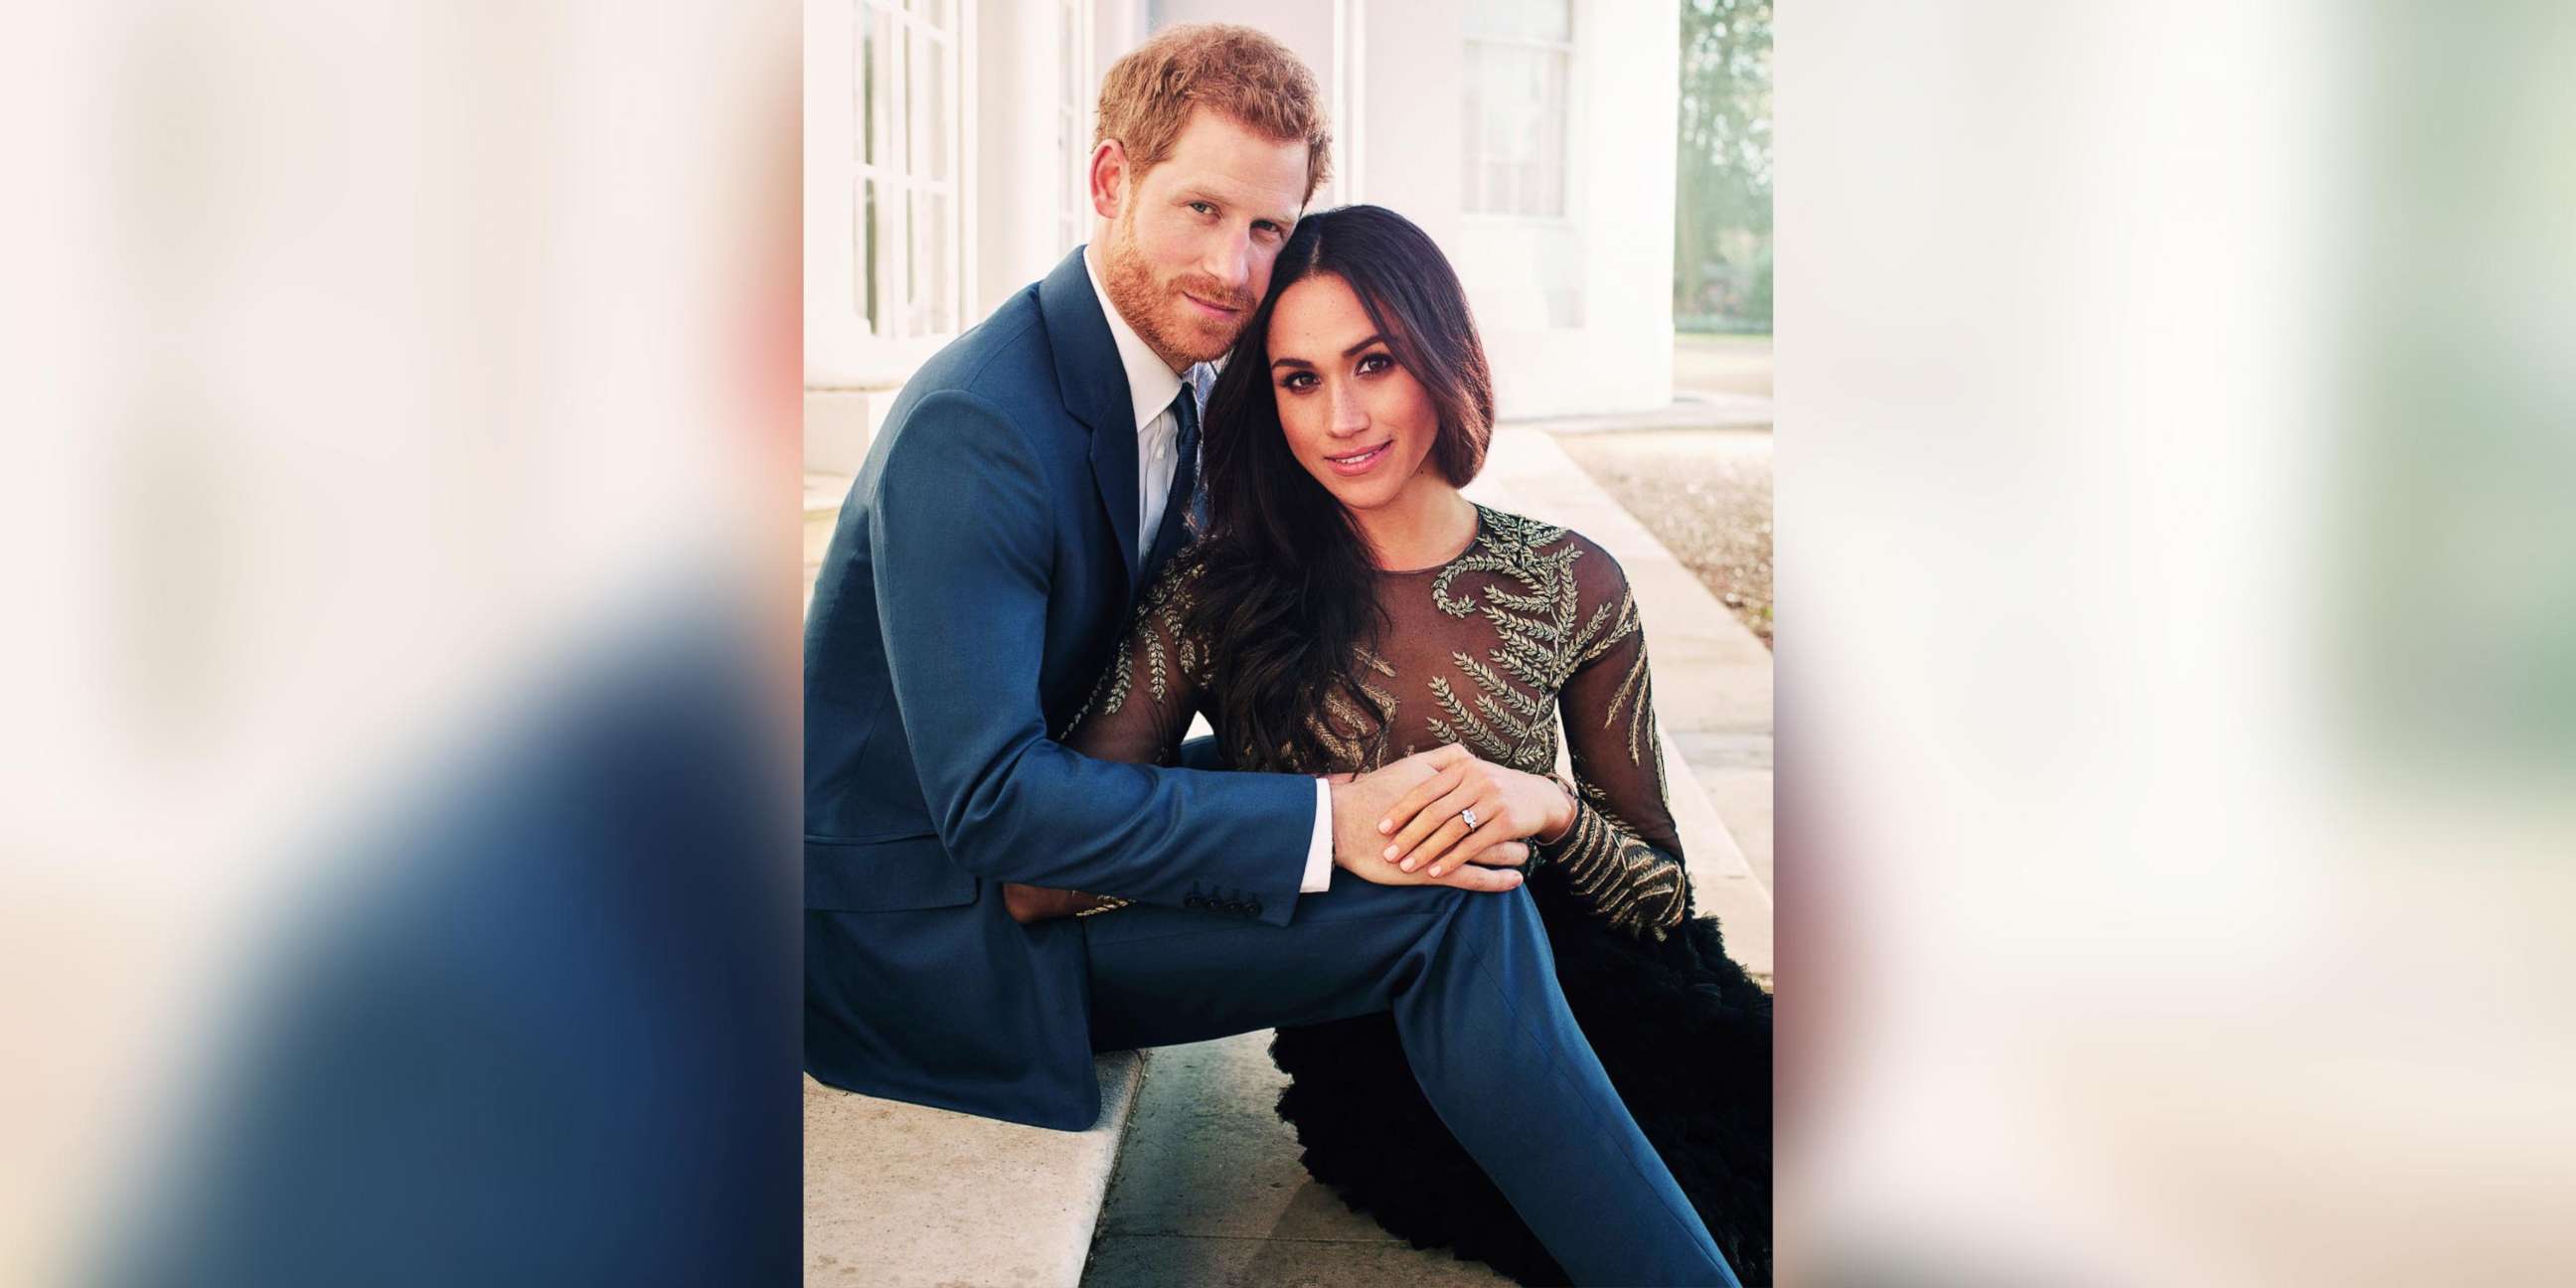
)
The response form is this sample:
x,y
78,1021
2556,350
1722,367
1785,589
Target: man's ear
x,y
1108,177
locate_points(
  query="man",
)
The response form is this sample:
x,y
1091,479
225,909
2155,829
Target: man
x,y
1028,483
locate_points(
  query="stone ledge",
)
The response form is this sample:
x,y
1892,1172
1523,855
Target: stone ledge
x,y
1723,879
902,1195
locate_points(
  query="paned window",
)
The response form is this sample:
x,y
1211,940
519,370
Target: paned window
x,y
1519,55
907,221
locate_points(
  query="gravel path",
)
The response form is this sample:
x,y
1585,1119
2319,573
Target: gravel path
x,y
1704,493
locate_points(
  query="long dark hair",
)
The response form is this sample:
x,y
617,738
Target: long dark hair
x,y
1287,603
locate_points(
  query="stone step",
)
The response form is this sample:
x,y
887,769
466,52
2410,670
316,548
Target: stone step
x,y
903,1196
1723,880
1734,771
1690,409
1210,1191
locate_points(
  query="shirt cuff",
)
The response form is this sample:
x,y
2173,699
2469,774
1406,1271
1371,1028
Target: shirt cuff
x,y
1319,851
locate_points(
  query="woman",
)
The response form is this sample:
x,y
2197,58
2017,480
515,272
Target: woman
x,y
1347,607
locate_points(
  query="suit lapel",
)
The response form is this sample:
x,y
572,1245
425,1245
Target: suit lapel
x,y
1094,385
1113,468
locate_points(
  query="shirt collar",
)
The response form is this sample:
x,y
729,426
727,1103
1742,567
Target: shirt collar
x,y
1151,385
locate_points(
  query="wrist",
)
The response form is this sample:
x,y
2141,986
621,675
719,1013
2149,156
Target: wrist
x,y
1560,823
1337,807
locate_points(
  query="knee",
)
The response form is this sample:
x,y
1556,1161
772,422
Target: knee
x,y
1511,907
1446,905
1516,897
1508,914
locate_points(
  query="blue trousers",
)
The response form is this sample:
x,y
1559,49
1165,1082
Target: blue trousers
x,y
1472,986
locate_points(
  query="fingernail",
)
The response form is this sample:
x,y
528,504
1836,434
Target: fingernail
x,y
1386,825
1438,871
1408,865
1390,852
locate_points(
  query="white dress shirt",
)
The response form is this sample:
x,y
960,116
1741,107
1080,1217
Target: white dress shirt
x,y
1151,387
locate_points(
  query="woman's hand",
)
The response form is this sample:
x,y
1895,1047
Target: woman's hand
x,y
1027,903
1430,826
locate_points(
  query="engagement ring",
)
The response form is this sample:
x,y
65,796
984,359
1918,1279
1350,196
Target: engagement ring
x,y
1470,816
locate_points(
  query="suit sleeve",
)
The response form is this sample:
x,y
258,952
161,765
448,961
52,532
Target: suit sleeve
x,y
963,535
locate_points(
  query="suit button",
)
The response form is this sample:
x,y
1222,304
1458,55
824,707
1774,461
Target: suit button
x,y
1194,902
1237,907
1254,909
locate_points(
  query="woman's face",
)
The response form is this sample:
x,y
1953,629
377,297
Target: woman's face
x,y
1362,425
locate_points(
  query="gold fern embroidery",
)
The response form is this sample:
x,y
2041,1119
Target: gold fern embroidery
x,y
1163,612
1629,884
1530,596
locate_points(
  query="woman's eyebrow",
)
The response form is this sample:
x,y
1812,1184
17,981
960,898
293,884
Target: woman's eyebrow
x,y
1351,352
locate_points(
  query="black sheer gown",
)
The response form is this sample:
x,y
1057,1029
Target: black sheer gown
x,y
1530,624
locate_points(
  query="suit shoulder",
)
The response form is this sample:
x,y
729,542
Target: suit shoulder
x,y
1002,368
1004,359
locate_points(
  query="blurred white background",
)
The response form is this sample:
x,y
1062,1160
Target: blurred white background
x,y
2176,703
373,374
2178,625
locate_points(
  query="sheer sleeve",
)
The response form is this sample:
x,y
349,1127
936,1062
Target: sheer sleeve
x,y
1141,707
1138,711
1622,856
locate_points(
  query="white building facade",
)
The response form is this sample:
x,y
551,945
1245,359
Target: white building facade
x,y
946,141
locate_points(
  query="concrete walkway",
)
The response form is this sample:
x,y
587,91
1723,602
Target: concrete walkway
x,y
1208,1189
1690,409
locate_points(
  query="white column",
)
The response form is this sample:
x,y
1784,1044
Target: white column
x,y
1626,128
1017,165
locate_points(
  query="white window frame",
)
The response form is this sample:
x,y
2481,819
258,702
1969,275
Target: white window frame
x,y
1350,105
1077,115
843,347
1471,194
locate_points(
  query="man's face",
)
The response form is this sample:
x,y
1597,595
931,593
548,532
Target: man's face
x,y
1189,251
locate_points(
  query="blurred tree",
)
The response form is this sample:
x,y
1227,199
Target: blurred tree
x,y
1722,228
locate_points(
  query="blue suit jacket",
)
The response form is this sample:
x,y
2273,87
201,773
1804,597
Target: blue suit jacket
x,y
981,574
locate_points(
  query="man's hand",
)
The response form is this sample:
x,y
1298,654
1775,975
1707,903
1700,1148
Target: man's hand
x,y
1027,903
1357,844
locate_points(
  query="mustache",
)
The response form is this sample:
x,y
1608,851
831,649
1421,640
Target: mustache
x,y
1215,292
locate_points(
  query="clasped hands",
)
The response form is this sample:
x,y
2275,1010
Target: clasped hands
x,y
1463,814
1407,824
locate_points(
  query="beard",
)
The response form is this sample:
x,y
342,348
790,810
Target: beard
x,y
1171,326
